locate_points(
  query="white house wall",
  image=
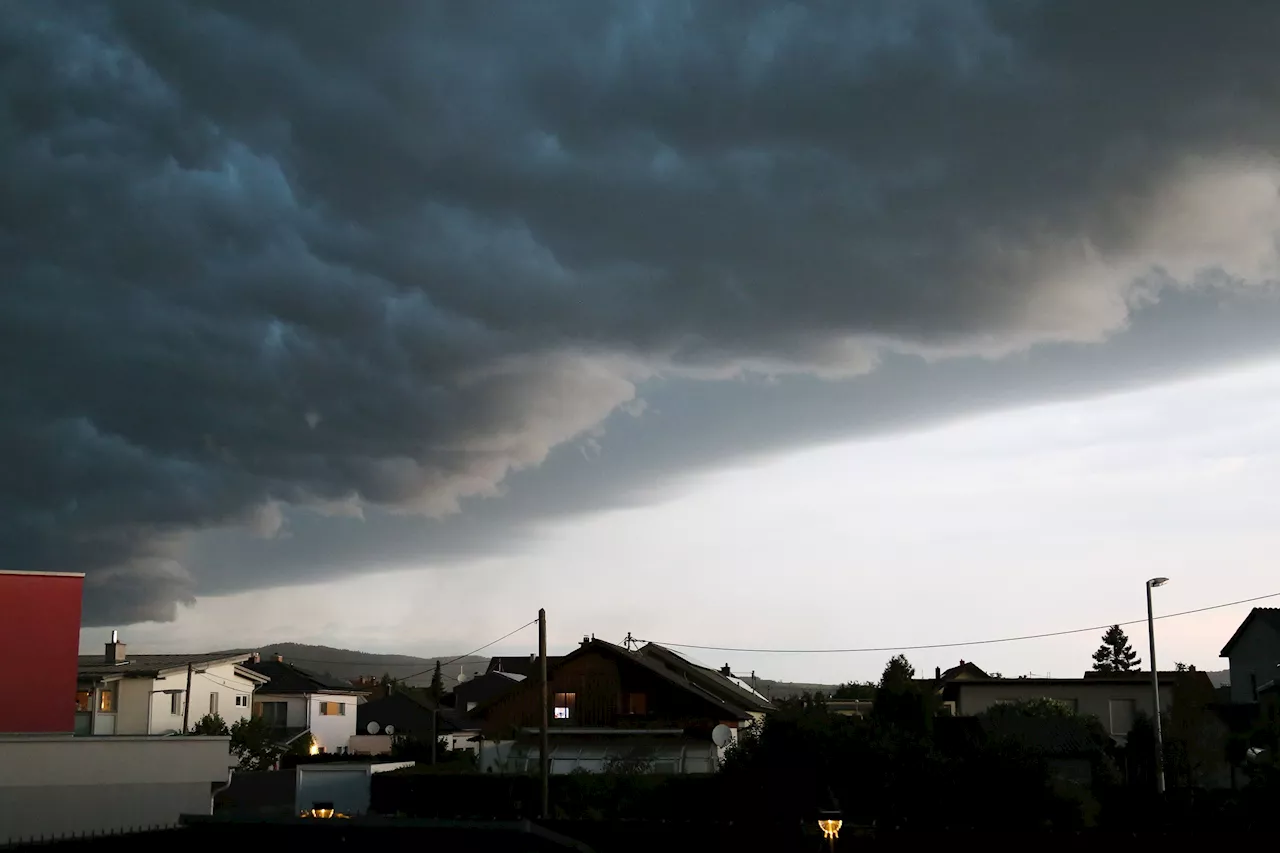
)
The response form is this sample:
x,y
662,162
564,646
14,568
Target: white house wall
x,y
332,733
224,681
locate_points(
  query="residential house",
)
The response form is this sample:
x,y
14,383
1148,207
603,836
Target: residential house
x,y
1254,653
1116,702
410,712
652,709
296,702
53,784
122,694
469,694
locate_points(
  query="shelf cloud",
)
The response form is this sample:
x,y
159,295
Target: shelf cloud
x,y
333,257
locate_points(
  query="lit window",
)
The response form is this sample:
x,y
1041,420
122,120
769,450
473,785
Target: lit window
x,y
84,701
175,704
564,705
107,701
333,709
637,703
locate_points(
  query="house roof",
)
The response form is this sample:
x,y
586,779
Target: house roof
x,y
150,666
964,669
482,688
409,713
287,678
726,688
1266,615
681,675
525,665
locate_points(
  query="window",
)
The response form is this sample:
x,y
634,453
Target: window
x,y
84,701
175,704
1122,714
564,705
274,713
213,703
636,703
333,709
107,700
242,701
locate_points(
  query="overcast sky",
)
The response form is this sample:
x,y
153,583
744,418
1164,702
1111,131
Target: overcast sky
x,y
305,291
1019,522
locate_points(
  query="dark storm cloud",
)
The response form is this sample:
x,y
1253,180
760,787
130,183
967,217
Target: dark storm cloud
x,y
327,255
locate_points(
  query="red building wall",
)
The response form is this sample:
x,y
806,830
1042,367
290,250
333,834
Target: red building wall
x,y
40,635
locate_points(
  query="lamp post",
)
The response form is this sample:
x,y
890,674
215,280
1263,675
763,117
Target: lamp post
x,y
1155,684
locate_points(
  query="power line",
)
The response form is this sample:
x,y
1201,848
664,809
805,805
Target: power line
x,y
443,664
958,645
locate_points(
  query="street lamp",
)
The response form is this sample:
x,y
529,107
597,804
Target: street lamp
x,y
1155,684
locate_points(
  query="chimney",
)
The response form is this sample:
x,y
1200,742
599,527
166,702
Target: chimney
x,y
585,639
724,670
937,673
255,658
115,650
279,658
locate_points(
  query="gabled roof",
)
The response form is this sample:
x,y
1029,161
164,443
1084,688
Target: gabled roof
x,y
525,665
409,713
726,688
287,678
1266,615
151,666
482,688
965,669
731,701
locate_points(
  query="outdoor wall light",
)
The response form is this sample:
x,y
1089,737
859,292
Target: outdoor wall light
x,y
830,823
322,810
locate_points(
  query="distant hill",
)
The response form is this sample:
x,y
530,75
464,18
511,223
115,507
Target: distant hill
x,y
348,663
771,690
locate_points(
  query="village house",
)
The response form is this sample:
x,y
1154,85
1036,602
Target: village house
x,y
296,703
651,710
118,693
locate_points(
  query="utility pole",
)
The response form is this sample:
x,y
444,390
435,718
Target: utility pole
x,y
1155,685
186,704
544,749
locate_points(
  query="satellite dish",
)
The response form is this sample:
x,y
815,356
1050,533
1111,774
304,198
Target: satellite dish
x,y
372,728
390,730
721,735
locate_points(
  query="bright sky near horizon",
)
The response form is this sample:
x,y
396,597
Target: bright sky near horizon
x,y
1015,522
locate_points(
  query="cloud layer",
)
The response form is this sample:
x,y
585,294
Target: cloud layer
x,y
332,255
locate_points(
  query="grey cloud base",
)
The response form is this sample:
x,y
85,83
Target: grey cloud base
x,y
332,255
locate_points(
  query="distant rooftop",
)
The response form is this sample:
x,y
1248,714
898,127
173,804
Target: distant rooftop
x,y
153,665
